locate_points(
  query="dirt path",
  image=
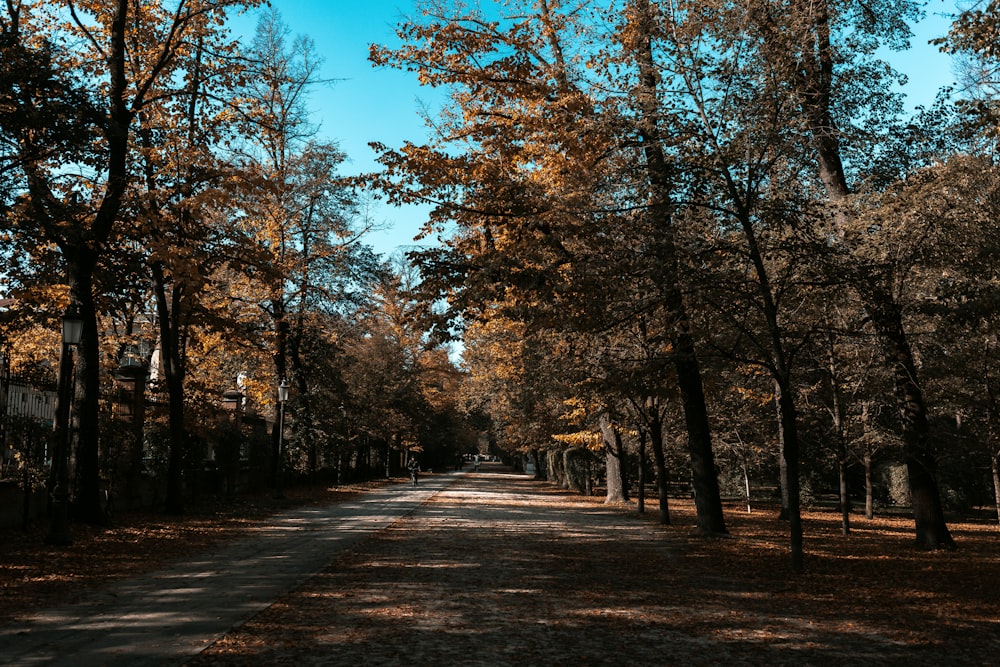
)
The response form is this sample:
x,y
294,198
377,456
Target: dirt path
x,y
500,570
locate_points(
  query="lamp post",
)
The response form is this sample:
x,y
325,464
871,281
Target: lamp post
x,y
279,490
72,331
132,376
233,400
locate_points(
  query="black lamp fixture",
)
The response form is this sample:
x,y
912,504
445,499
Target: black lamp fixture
x,y
72,326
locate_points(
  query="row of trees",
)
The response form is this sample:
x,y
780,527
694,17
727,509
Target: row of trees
x,y
704,225
169,184
713,219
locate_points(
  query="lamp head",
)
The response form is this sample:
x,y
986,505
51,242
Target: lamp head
x,y
72,325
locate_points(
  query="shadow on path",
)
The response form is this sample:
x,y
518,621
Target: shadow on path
x,y
488,568
500,570
165,617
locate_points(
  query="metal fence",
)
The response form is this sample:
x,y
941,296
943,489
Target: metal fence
x,y
27,412
134,445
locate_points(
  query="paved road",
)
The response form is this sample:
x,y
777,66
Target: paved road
x,y
490,569
166,617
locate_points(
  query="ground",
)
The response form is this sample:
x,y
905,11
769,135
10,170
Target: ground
x,y
35,575
505,570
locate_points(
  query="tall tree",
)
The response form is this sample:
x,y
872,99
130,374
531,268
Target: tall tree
x,y
122,52
303,221
819,53
181,201
739,193
638,36
531,166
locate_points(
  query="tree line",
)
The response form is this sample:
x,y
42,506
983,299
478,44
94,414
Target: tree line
x,y
704,238
712,229
170,184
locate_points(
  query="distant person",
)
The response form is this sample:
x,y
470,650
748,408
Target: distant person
x,y
475,463
414,469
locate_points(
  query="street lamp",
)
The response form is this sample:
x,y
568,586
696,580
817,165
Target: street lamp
x,y
72,331
282,398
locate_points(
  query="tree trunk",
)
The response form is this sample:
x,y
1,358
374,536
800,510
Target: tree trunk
x,y
622,464
614,461
615,493
554,468
931,530
782,467
82,246
576,461
840,436
655,426
28,490
815,80
780,366
705,481
746,484
172,296
87,382
641,507
845,497
811,73
788,433
82,257
869,487
567,470
996,481
540,462
168,307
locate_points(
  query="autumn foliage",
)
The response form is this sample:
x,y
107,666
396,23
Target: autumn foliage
x,y
696,247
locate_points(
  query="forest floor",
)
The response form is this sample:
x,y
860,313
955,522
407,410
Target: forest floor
x,y
498,569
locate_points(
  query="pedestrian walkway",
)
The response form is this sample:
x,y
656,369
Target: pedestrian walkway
x,y
498,569
492,568
166,617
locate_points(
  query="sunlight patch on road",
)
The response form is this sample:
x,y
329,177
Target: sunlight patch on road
x,y
409,565
519,591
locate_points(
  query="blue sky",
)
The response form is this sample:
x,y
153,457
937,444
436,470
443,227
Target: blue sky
x,y
364,104
367,104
